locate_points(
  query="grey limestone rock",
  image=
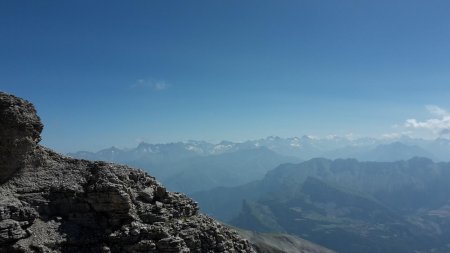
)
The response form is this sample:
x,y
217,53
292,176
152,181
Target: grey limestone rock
x,y
20,132
52,203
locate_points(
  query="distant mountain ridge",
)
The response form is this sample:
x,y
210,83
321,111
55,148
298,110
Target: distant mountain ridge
x,y
305,148
227,169
195,166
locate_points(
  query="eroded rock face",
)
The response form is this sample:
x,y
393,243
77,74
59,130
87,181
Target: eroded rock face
x,y
20,130
51,203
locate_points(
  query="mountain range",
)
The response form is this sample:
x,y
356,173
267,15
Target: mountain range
x,y
304,148
195,166
344,204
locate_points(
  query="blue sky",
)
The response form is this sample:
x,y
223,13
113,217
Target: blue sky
x,y
105,73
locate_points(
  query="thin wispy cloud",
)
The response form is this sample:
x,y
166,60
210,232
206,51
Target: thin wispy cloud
x,y
156,85
437,111
438,124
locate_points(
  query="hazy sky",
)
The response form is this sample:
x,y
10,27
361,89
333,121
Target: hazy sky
x,y
105,73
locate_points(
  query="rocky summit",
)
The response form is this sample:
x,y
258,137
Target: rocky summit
x,y
53,203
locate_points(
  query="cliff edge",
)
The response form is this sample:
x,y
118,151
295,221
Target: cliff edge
x,y
53,203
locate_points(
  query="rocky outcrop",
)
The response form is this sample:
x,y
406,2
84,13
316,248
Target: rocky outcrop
x,y
20,130
52,203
